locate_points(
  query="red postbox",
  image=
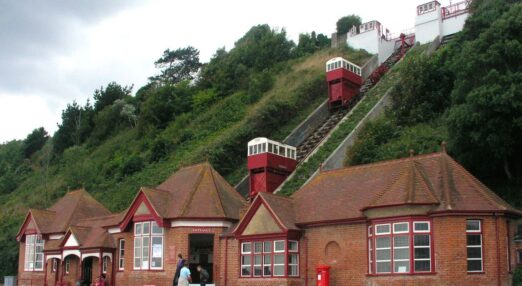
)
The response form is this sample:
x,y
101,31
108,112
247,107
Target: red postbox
x,y
323,275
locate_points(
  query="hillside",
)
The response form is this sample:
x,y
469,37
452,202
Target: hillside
x,y
112,163
468,93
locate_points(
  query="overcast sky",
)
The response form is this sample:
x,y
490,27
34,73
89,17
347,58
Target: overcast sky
x,y
56,51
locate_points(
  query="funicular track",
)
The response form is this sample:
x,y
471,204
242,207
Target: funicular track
x,y
320,133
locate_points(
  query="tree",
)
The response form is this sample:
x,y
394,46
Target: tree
x,y
76,126
178,65
106,96
485,120
35,141
310,43
347,22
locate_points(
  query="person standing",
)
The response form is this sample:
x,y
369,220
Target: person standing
x,y
180,264
203,276
184,275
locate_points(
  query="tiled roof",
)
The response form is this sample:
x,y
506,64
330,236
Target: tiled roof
x,y
197,191
433,179
283,209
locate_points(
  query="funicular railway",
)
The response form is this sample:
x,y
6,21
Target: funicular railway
x,y
346,87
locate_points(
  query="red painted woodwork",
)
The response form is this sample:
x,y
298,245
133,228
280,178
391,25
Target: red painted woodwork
x,y
343,85
267,172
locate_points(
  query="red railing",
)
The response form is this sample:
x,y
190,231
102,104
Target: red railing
x,y
456,9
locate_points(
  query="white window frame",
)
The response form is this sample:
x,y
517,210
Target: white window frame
x,y
402,231
423,246
67,265
384,260
145,252
32,243
481,246
246,253
105,264
408,247
54,267
296,253
121,254
377,232
415,223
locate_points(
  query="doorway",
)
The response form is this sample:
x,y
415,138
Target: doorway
x,y
201,252
87,271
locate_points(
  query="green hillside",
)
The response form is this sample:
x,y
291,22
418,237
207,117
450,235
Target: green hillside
x,y
264,86
469,94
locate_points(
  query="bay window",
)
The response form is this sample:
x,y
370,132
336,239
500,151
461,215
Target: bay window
x,y
400,247
105,264
148,246
474,245
272,258
34,258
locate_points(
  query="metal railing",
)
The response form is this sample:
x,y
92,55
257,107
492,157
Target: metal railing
x,y
456,9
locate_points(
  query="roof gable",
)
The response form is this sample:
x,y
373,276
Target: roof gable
x,y
36,221
268,214
141,208
71,241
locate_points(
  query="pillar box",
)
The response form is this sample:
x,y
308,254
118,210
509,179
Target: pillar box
x,y
323,275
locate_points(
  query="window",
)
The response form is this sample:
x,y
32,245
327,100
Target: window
x,y
67,265
34,258
148,246
105,264
519,256
277,258
55,265
474,245
402,247
121,256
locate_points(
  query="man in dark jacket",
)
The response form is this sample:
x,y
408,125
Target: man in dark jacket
x,y
203,276
180,264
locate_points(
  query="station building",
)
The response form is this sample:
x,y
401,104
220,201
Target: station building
x,y
417,220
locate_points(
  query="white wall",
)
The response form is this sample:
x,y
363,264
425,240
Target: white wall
x,y
386,48
368,41
454,24
428,26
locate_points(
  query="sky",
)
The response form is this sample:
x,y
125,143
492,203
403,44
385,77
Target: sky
x,y
54,52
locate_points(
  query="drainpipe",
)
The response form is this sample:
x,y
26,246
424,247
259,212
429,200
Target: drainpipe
x,y
306,260
45,269
113,270
100,263
62,267
498,250
226,260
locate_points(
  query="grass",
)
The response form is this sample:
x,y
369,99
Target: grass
x,y
307,169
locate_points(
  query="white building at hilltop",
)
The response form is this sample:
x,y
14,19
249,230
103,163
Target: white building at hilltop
x,y
432,21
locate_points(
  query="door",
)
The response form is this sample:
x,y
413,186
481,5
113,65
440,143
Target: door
x,y
87,271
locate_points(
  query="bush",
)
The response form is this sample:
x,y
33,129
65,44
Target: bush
x,y
132,165
517,277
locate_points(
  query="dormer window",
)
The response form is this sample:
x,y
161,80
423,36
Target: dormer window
x,y
148,246
34,258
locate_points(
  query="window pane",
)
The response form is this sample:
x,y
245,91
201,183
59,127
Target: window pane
x,y
156,229
293,259
473,225
257,270
246,270
382,228
279,270
423,265
279,245
401,241
279,259
402,266
383,254
246,260
250,150
422,253
146,228
247,247
474,239
421,240
474,265
257,259
267,262
270,147
292,270
267,246
474,252
137,228
292,245
400,227
421,226
382,242
383,267
145,252
401,253
258,247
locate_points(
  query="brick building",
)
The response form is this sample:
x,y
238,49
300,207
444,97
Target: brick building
x,y
412,221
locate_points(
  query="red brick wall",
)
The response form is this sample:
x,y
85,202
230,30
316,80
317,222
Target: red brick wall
x,y
176,240
34,278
